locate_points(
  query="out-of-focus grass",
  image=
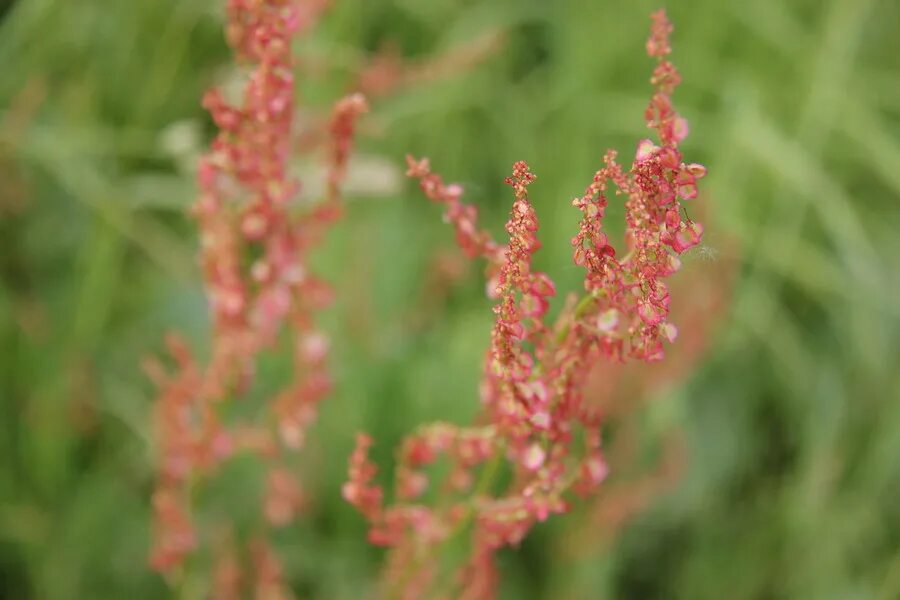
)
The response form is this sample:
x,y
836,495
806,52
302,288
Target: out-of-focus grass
x,y
792,423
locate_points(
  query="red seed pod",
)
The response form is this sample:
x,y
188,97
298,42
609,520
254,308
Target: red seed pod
x,y
541,431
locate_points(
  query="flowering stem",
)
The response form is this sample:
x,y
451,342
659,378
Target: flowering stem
x,y
533,388
485,483
580,309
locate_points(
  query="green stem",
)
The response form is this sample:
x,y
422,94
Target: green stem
x,y
485,483
580,309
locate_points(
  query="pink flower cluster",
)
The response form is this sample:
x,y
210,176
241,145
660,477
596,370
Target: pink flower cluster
x,y
255,242
538,441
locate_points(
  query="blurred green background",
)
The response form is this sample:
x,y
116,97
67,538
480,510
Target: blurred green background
x,y
790,422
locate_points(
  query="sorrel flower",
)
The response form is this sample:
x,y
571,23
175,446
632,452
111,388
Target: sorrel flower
x,y
538,441
255,240
622,392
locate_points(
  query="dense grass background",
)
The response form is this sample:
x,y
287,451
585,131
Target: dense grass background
x,y
791,422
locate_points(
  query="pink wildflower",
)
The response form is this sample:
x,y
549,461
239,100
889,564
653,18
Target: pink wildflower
x,y
247,208
537,425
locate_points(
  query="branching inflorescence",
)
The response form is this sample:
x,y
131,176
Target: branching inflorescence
x,y
537,442
255,240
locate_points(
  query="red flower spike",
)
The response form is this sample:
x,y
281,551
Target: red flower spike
x,y
535,373
358,490
245,209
